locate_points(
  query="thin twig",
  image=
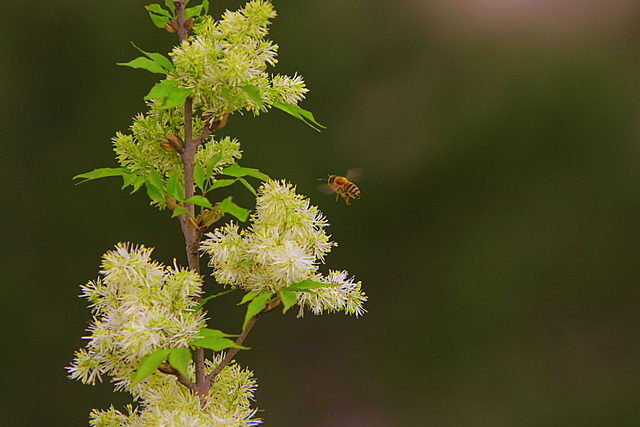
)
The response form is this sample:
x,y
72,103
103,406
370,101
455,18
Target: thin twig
x,y
232,351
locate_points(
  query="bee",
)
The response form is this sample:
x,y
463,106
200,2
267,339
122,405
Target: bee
x,y
342,186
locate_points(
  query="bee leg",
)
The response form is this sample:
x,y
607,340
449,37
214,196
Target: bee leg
x,y
337,195
346,198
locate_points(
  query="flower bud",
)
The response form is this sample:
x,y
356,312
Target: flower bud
x,y
175,142
211,216
171,202
171,27
188,24
167,147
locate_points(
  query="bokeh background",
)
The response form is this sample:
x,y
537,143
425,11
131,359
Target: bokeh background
x,y
497,235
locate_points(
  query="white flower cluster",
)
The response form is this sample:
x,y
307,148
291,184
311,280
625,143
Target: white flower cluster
x,y
343,294
138,305
283,246
223,56
164,402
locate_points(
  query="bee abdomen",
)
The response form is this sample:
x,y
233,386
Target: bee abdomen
x,y
352,190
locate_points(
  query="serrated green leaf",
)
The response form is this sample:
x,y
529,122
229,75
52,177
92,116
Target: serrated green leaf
x,y
198,176
153,192
192,11
249,186
289,298
222,183
231,208
161,90
299,113
213,161
174,187
102,173
255,306
145,64
179,358
253,92
210,297
170,5
149,364
200,201
176,97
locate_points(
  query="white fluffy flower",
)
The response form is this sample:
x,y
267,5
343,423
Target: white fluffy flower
x,y
139,305
282,247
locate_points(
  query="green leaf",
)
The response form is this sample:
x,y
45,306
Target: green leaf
x,y
145,64
299,113
213,161
200,201
159,21
170,5
289,298
222,183
248,297
216,343
161,90
306,285
158,15
153,192
215,340
238,171
256,306
198,176
179,210
149,364
254,93
179,358
192,11
205,6
231,208
155,179
156,8
210,297
213,333
136,181
249,186
102,173
174,187
158,58
176,97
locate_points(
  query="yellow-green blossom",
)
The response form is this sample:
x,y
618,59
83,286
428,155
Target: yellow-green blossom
x,y
284,245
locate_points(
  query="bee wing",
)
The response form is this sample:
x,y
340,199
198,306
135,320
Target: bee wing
x,y
354,174
326,189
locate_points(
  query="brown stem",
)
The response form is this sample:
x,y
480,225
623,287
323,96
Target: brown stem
x,y
232,351
183,33
191,235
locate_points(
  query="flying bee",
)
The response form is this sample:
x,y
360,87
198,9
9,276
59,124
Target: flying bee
x,y
342,186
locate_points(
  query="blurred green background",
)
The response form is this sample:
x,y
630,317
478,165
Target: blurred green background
x,y
497,235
